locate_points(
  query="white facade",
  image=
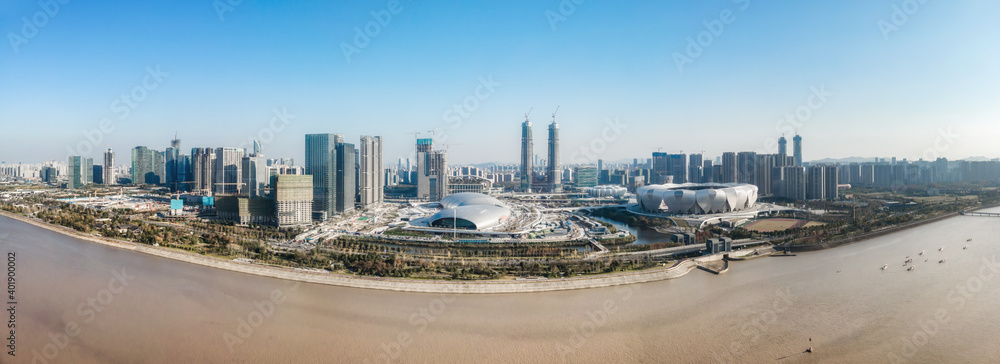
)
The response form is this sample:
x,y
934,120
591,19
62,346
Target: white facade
x,y
697,198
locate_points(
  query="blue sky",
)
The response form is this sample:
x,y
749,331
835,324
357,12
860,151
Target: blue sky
x,y
930,87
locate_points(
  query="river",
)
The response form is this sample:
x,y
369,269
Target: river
x,y
73,307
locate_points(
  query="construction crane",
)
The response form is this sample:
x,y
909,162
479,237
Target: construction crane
x,y
554,113
528,113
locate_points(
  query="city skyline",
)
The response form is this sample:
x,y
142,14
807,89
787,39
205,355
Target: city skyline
x,y
849,74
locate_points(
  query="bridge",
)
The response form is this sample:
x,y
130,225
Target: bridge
x,y
973,213
600,249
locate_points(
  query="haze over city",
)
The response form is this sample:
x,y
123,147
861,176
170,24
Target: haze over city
x,y
892,82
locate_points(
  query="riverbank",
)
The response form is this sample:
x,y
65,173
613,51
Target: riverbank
x,y
679,269
875,234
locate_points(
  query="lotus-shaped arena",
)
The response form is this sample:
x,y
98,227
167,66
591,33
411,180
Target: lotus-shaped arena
x,y
697,198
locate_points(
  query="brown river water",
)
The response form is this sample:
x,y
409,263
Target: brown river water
x,y
80,302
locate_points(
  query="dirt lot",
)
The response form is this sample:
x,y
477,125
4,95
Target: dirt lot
x,y
768,225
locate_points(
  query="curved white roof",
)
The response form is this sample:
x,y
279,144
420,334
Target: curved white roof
x,y
480,210
481,216
697,198
469,199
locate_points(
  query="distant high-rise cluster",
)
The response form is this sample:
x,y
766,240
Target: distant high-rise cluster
x,y
337,182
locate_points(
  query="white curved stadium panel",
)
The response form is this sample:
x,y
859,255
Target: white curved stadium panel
x,y
741,198
703,201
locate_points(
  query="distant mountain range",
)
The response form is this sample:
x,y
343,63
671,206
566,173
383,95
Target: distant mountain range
x,y
873,159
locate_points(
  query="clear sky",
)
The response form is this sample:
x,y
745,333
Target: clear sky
x,y
893,89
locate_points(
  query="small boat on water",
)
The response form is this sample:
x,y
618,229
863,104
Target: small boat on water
x,y
965,247
941,248
921,252
970,239
910,268
941,261
885,266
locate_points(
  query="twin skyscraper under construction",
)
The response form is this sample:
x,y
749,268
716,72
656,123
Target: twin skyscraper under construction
x,y
553,171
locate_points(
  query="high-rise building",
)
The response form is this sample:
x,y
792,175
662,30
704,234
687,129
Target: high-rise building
x,y
867,175
554,170
97,174
293,198
729,167
764,173
109,167
322,166
371,178
202,170
526,155
707,171
746,163
677,167
831,177
78,171
694,168
423,149
816,184
797,149
661,167
171,159
346,190
782,147
794,182
432,171
228,171
585,176
255,176
147,166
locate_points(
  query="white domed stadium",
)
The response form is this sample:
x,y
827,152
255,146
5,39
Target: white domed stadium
x,y
470,210
607,191
697,198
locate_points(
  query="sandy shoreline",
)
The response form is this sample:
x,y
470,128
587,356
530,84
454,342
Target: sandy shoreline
x,y
392,284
